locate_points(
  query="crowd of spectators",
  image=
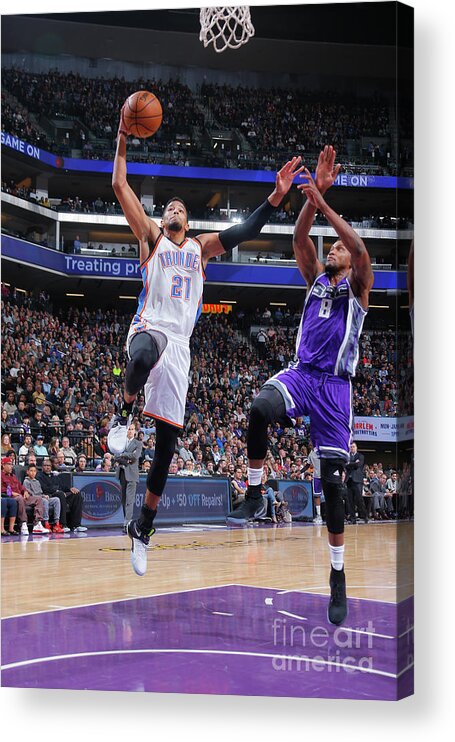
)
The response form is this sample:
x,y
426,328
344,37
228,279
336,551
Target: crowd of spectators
x,y
67,204
180,153
330,116
20,191
96,103
77,205
276,123
387,493
302,121
17,123
60,392
384,382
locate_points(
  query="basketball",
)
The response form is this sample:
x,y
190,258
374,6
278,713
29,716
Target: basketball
x,y
142,114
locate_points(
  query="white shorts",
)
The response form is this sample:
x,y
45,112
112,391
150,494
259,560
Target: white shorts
x,y
167,385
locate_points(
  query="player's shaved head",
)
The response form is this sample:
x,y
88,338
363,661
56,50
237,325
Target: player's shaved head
x,y
338,259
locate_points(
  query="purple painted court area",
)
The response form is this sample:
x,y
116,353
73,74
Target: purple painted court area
x,y
226,640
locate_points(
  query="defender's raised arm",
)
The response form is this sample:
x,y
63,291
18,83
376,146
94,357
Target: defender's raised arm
x,y
304,247
219,243
361,274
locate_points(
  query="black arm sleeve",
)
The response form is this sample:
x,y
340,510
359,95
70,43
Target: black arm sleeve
x,y
249,229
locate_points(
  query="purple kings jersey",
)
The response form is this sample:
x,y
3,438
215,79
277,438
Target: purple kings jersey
x,y
332,320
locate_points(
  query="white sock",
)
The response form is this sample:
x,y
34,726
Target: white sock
x,y
254,476
337,556
318,510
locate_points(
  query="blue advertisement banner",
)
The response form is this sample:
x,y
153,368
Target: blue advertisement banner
x,y
344,180
102,499
68,265
299,497
184,500
229,273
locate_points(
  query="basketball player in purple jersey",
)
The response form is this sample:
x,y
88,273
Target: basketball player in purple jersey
x,y
172,268
318,384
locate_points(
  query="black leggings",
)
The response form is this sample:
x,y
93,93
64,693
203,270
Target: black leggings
x,y
165,446
145,351
267,408
333,489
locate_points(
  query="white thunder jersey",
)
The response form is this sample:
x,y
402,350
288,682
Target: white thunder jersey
x,y
173,279
170,302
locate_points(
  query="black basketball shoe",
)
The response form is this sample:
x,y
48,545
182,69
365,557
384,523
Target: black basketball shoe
x,y
338,605
251,506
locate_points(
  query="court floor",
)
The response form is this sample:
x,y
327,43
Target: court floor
x,y
220,610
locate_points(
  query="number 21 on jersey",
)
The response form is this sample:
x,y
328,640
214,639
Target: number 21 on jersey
x,y
325,308
181,287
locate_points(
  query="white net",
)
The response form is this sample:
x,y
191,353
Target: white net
x,y
226,27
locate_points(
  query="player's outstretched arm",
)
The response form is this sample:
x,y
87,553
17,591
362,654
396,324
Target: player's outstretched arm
x,y
221,242
144,229
304,248
361,272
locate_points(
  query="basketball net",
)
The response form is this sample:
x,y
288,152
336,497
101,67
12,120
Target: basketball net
x,y
226,27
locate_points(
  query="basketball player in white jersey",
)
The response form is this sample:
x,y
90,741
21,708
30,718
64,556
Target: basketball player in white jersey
x,y
172,267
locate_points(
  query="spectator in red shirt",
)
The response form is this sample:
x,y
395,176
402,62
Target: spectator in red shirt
x,y
387,405
11,487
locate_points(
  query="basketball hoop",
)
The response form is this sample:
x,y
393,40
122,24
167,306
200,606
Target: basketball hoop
x,y
226,27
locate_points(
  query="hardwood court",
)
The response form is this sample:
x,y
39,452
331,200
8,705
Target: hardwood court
x,y
220,610
44,575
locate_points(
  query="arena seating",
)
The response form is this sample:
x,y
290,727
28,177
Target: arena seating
x,y
57,382
269,125
229,363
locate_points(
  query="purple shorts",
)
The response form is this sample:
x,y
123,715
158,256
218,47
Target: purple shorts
x,y
317,487
327,401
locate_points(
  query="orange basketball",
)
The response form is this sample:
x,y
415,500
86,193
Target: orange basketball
x,y
142,114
